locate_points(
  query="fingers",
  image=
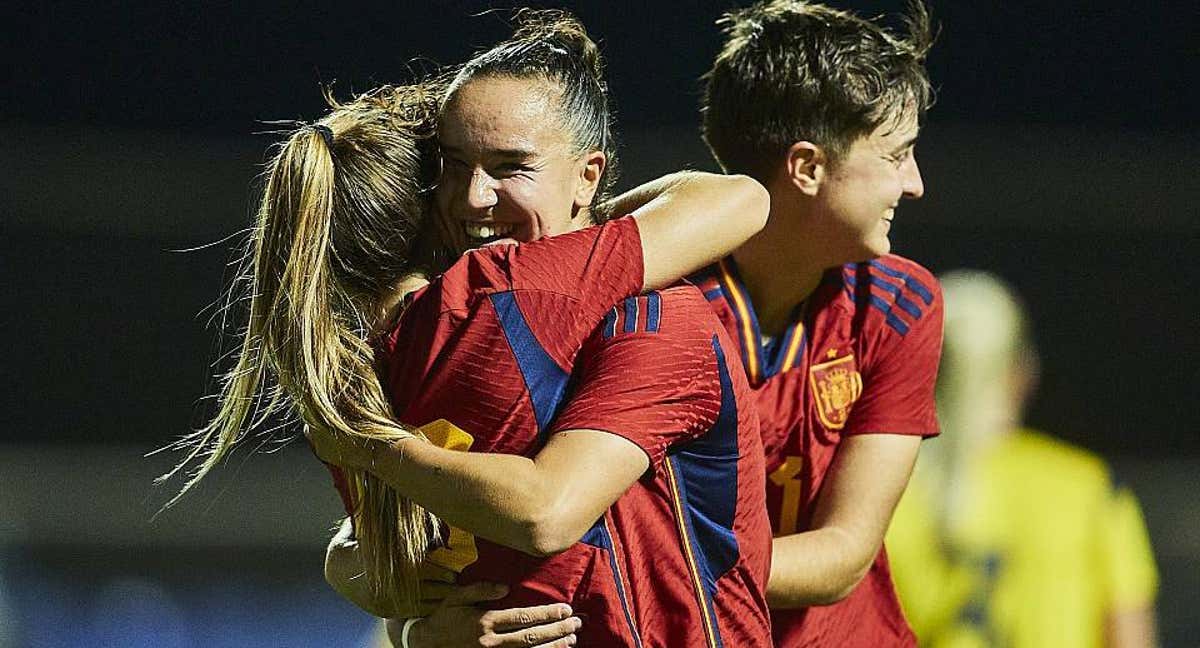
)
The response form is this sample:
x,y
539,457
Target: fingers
x,y
435,591
569,640
515,619
550,635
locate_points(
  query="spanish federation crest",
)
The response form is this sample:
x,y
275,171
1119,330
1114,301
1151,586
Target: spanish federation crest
x,y
836,385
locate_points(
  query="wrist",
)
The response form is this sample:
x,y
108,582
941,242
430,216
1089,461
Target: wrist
x,y
410,633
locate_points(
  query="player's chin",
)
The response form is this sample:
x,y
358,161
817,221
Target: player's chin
x,y
878,244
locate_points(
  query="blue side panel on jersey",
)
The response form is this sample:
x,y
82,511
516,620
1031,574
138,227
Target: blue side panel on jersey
x,y
631,314
917,287
653,311
714,293
708,484
598,536
543,377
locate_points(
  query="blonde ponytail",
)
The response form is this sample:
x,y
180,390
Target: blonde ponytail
x,y
342,204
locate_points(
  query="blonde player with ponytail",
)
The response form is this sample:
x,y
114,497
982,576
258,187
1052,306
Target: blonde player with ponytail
x,y
337,249
331,241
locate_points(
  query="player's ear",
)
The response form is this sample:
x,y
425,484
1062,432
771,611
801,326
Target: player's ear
x,y
591,169
806,165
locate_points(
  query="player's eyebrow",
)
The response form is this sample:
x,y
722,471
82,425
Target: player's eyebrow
x,y
905,144
516,154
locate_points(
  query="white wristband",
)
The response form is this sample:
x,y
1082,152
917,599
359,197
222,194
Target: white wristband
x,y
408,625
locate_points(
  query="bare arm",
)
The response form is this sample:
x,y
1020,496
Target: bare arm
x,y
452,616
854,507
344,572
690,219
539,506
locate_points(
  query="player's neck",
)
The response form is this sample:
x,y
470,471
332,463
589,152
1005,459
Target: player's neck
x,y
392,303
778,275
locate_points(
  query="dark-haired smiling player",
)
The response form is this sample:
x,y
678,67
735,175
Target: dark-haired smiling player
x,y
839,337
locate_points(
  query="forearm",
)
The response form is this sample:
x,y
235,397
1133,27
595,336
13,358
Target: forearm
x,y
690,219
816,567
853,508
637,197
540,506
502,498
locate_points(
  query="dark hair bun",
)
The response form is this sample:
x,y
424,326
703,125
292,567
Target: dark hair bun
x,y
558,27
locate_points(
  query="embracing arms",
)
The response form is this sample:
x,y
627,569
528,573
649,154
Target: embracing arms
x,y
690,219
540,506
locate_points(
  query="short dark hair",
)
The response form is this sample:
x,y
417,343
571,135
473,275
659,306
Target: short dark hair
x,y
799,71
552,45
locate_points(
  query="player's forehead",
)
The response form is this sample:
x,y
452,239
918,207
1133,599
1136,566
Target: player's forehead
x,y
898,129
502,116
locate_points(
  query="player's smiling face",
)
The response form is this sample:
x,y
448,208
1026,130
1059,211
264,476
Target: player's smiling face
x,y
509,171
861,191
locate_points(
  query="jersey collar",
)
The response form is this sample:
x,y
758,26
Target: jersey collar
x,y
762,361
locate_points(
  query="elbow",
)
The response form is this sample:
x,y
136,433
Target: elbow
x,y
754,201
552,531
547,543
837,592
344,569
842,585
551,536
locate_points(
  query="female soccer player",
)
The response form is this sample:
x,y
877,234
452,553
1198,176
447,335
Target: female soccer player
x,y
482,355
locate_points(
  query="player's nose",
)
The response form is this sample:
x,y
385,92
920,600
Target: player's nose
x,y
913,185
481,190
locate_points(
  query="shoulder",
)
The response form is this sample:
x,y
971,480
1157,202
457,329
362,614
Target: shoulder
x,y
620,235
897,293
678,312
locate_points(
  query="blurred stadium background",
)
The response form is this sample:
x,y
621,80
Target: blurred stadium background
x,y
1061,155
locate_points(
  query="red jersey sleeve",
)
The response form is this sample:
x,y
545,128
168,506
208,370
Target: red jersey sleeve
x,y
596,267
649,373
898,382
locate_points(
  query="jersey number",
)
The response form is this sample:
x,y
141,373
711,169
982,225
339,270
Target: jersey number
x,y
787,477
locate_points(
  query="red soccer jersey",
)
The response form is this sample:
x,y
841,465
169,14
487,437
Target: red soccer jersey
x,y
692,536
490,346
860,357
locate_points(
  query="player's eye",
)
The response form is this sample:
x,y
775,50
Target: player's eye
x,y
510,169
902,157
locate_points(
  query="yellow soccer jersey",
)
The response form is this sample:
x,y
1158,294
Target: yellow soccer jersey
x,y
1046,548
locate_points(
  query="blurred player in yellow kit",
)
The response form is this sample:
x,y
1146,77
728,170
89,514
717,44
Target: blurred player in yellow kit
x,y
1006,536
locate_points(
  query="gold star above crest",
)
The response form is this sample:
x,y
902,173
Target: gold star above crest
x,y
832,353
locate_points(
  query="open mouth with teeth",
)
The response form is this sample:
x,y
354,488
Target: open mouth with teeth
x,y
481,233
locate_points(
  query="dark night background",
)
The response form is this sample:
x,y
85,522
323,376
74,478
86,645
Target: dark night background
x,y
1061,154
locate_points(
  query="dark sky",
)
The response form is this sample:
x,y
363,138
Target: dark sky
x,y
1059,154
220,66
